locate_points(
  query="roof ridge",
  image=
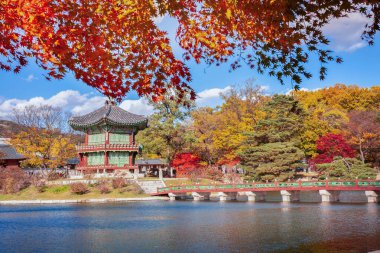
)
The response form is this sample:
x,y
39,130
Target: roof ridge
x,y
109,107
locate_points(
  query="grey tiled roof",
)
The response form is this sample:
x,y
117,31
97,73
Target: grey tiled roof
x,y
110,114
7,152
73,161
150,162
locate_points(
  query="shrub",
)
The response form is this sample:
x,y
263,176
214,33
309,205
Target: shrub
x,y
346,168
102,186
214,174
40,186
54,176
104,189
13,180
79,188
118,183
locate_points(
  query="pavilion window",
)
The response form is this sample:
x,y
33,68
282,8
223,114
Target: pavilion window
x,y
95,158
119,138
96,138
118,158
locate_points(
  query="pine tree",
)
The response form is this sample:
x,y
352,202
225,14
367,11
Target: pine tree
x,y
346,168
271,150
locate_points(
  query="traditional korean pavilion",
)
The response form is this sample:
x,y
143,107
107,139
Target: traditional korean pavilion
x,y
110,139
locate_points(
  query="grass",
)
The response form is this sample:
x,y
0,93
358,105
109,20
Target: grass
x,y
64,192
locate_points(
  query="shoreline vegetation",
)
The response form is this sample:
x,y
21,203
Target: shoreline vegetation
x,y
58,194
73,201
17,186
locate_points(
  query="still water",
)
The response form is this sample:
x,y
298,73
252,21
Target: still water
x,y
186,226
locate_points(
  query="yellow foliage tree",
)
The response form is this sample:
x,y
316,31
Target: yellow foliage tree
x,y
221,131
44,148
327,110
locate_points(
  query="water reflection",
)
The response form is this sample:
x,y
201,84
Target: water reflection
x,y
186,226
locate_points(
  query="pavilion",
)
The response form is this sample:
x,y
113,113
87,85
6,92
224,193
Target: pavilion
x,y
109,145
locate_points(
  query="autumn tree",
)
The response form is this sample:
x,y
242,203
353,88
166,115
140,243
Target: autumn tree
x,y
330,146
240,111
186,164
115,46
42,139
205,122
166,135
363,129
271,151
328,109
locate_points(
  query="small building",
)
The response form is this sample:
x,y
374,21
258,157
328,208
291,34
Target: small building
x,y
110,145
152,167
72,163
9,158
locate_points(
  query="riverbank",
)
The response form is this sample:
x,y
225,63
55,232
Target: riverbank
x,y
64,194
74,201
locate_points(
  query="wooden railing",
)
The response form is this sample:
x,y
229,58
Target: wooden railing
x,y
353,185
106,147
106,167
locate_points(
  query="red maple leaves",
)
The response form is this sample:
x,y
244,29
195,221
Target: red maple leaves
x,y
186,164
115,46
330,146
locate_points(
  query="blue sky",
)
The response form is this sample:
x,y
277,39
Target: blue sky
x,y
360,67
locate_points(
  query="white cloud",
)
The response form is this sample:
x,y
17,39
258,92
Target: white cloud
x,y
211,97
345,33
70,100
89,105
78,104
214,92
30,78
140,106
289,92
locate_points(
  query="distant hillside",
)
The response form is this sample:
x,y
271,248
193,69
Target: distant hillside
x,y
8,128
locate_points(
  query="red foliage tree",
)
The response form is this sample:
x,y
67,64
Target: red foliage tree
x,y
186,164
331,145
115,46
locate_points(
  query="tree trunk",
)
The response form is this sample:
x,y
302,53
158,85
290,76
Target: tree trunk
x,y
361,151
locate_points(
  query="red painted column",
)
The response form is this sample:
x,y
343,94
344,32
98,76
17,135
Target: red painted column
x,y
86,139
105,157
107,137
130,158
131,139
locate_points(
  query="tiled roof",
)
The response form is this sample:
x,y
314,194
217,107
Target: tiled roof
x,y
109,114
150,162
7,152
73,161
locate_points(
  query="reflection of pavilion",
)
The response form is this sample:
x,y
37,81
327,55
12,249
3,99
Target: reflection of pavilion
x,y
110,140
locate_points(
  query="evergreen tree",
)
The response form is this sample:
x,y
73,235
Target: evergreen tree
x,y
346,168
271,150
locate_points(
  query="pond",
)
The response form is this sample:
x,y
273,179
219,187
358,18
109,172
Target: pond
x,y
187,226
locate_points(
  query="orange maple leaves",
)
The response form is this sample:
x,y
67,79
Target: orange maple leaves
x,y
115,46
